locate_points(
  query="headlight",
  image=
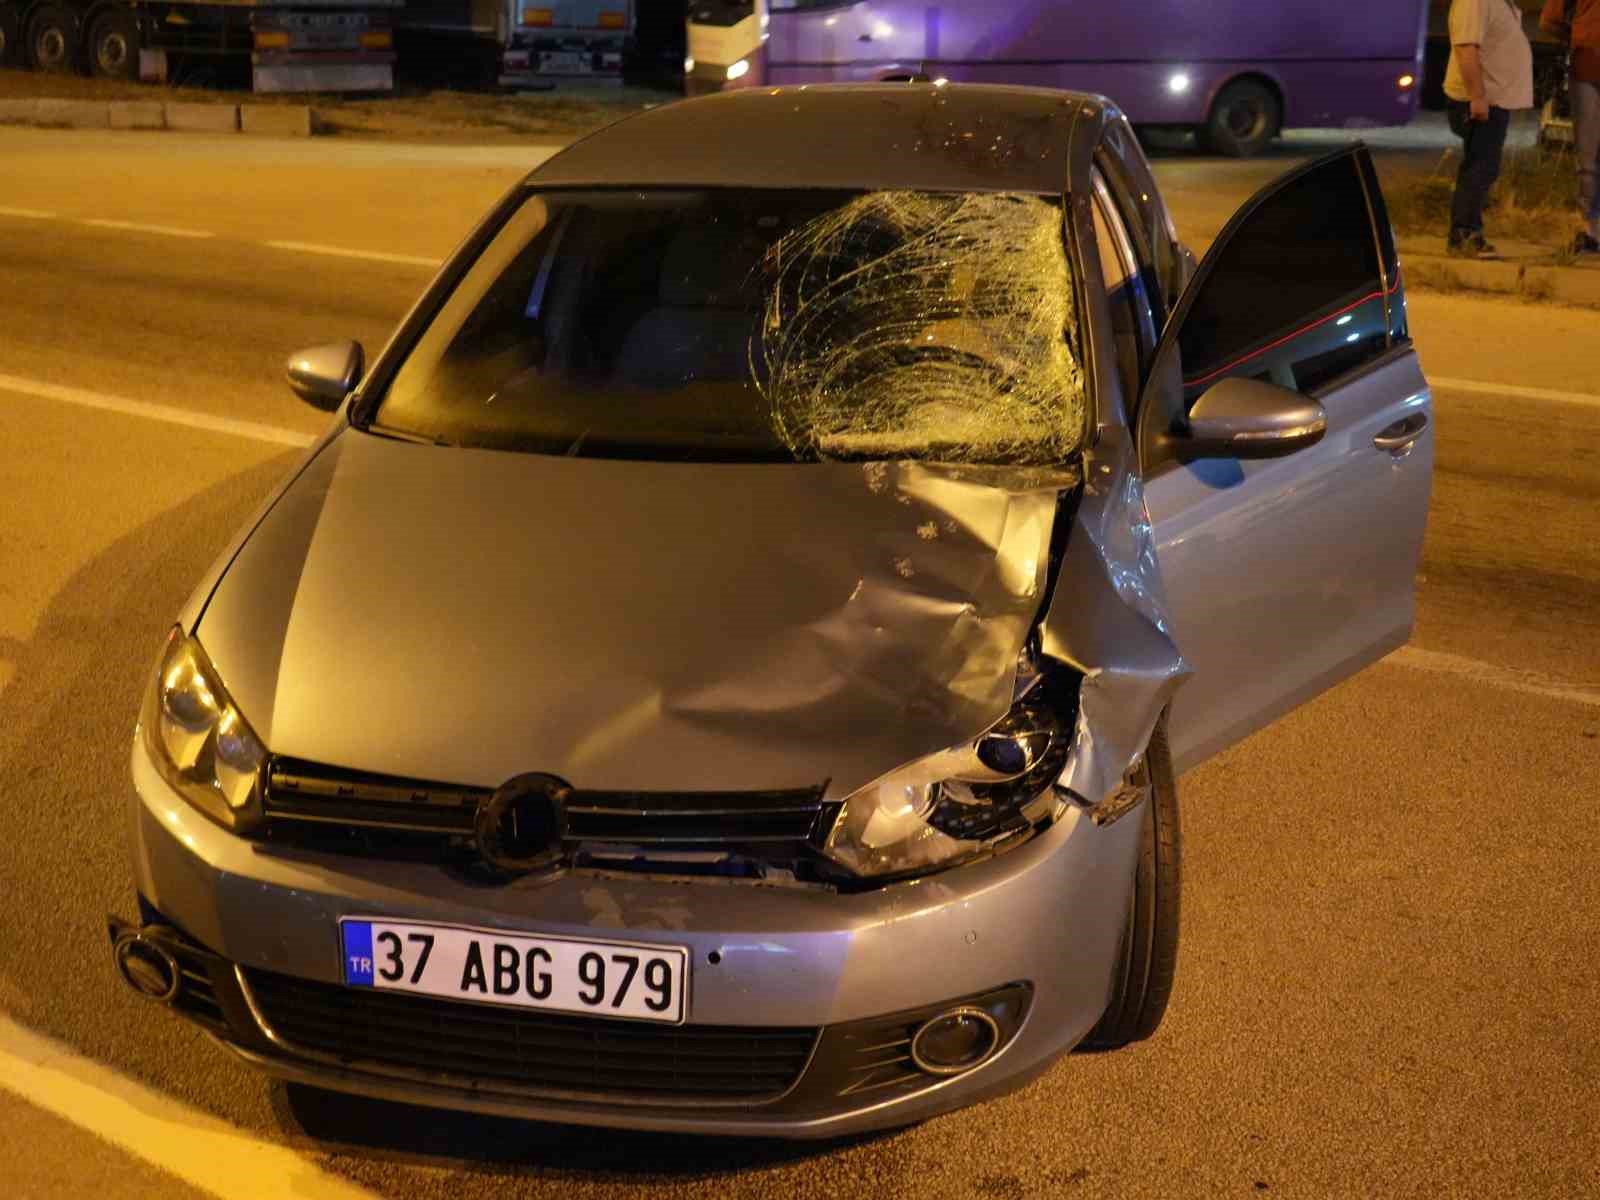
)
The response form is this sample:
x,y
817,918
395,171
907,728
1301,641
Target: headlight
x,y
958,803
198,739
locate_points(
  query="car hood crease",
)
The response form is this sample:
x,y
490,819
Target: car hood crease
x,y
469,615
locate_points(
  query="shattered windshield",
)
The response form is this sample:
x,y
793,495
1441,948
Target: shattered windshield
x,y
740,324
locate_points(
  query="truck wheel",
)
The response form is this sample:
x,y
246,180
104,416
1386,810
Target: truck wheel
x,y
114,45
1148,959
53,40
1244,120
10,37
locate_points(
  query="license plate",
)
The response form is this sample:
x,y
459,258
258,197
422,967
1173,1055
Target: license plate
x,y
630,980
560,61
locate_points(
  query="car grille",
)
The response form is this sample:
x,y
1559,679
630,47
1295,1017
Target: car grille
x,y
307,793
475,1045
362,810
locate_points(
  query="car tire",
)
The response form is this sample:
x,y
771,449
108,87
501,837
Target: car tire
x,y
114,45
1147,956
1244,119
53,41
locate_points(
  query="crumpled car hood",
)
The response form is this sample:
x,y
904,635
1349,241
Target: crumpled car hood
x,y
469,615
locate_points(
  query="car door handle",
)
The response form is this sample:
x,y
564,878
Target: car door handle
x,y
1402,433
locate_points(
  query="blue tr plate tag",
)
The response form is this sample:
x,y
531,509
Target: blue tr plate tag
x,y
357,937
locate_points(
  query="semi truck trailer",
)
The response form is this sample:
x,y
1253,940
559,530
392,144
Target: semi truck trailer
x,y
515,43
273,45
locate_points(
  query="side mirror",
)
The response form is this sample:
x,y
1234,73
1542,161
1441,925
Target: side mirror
x,y
1247,418
324,375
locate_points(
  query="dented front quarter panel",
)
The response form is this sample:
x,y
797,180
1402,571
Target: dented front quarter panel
x,y
1108,620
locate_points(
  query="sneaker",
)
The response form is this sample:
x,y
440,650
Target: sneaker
x,y
1473,245
1585,243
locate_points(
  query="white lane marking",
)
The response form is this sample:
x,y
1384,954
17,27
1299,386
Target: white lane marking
x,y
32,214
410,260
1510,678
1588,399
156,412
140,227
200,1149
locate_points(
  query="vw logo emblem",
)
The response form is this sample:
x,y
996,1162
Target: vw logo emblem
x,y
520,826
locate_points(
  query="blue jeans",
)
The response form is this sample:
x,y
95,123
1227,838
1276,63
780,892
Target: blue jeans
x,y
1586,129
1482,144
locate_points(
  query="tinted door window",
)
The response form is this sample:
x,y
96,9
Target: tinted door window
x,y
1295,292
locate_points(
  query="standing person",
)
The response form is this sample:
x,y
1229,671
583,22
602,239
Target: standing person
x,y
1579,22
1490,75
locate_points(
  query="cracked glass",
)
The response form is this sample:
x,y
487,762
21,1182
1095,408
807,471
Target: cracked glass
x,y
758,324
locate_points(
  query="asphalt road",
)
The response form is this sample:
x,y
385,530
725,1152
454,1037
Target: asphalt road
x,y
1388,971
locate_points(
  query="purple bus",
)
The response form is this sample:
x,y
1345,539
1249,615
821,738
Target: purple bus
x,y
1234,71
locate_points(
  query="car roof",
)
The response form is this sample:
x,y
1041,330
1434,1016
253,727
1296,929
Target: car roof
x,y
881,135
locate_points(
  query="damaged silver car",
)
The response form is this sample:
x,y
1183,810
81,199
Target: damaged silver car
x,y
726,667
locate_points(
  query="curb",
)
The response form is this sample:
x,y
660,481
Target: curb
x,y
1525,280
1530,279
274,120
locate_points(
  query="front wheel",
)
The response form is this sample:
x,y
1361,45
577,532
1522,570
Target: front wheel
x,y
53,40
1147,961
1245,118
114,45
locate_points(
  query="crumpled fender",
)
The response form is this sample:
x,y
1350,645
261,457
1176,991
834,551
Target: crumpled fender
x,y
1107,618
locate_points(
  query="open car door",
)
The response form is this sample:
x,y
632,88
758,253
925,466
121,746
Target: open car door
x,y
1286,574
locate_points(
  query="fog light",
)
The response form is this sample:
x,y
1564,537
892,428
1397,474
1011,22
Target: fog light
x,y
1407,80
739,69
147,967
955,1041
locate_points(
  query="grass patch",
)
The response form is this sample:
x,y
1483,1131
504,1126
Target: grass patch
x,y
482,117
39,85
1535,199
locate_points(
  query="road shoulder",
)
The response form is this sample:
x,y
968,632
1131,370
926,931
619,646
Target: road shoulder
x,y
48,1157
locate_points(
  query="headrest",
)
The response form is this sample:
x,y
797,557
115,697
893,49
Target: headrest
x,y
712,265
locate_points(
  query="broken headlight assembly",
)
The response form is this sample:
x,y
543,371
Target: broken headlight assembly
x,y
199,740
962,802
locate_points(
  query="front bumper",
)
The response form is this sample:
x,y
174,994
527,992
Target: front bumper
x,y
1048,914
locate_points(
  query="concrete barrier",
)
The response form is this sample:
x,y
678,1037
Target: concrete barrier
x,y
276,120
72,114
202,118
1575,285
136,114
273,120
